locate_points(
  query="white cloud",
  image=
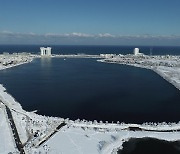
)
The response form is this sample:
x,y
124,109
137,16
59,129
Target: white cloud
x,y
85,38
74,34
106,35
85,35
81,35
6,32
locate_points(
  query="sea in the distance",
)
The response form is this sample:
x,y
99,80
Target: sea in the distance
x,y
87,89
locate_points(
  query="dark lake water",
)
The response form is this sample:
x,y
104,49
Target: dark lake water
x,y
87,89
150,146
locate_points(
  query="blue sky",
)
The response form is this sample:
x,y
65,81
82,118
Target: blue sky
x,y
112,22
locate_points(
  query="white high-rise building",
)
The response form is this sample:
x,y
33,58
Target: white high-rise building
x,y
136,51
45,51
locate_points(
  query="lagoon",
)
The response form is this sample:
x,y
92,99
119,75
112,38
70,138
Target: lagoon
x,y
87,89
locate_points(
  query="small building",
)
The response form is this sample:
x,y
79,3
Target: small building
x,y
45,51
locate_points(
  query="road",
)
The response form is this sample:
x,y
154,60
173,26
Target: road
x,y
14,131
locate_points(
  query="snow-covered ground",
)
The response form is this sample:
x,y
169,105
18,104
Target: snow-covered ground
x,y
88,140
42,134
171,74
12,60
7,143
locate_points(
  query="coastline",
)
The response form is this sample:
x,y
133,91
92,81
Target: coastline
x,y
168,73
113,134
174,82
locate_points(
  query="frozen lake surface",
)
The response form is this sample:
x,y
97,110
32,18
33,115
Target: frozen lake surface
x,y
87,89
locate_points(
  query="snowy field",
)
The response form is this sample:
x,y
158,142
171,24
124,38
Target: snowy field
x,y
90,141
42,134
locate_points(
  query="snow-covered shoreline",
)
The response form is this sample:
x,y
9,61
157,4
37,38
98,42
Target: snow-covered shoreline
x,y
52,134
13,60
